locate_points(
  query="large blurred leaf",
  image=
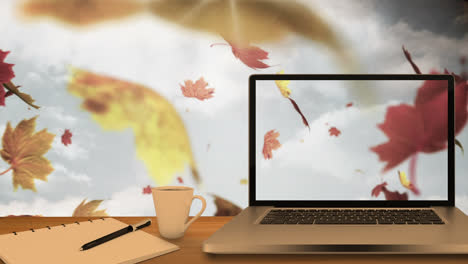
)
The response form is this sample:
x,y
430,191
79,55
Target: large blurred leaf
x,y
80,12
161,139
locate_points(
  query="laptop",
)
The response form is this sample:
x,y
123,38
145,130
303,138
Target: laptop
x,y
349,164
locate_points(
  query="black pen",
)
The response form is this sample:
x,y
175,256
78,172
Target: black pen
x,y
116,234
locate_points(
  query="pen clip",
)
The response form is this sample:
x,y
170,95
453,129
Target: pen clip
x,y
141,224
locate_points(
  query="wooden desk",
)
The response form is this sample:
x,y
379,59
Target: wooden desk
x,y
201,229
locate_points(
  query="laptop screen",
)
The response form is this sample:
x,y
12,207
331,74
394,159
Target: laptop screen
x,y
351,140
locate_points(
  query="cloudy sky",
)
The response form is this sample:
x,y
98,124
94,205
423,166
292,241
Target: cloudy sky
x,y
160,55
317,166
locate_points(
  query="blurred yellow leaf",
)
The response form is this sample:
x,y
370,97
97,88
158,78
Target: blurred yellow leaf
x,y
161,139
80,12
404,179
244,181
283,86
23,150
247,21
86,209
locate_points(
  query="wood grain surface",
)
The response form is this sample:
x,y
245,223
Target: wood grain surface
x,y
201,229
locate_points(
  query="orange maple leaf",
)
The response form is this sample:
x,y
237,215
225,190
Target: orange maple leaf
x,y
270,143
23,150
251,56
86,209
334,131
147,190
197,90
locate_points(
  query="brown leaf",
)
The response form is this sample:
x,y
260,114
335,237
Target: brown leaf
x,y
89,209
23,96
408,57
304,120
459,144
225,207
23,150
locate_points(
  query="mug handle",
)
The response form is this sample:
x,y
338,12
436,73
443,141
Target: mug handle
x,y
199,213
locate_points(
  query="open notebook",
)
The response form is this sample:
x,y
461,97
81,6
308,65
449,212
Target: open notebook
x,y
61,244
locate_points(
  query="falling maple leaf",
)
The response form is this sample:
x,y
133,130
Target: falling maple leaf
x,y
197,90
286,93
13,89
147,190
89,209
225,207
66,137
407,183
251,56
349,104
161,138
422,127
270,143
283,86
244,181
6,74
410,60
23,150
180,180
391,196
334,131
459,144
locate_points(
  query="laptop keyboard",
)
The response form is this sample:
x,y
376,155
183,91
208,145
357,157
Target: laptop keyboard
x,y
352,217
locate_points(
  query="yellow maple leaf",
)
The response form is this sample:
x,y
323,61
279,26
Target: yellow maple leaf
x,y
283,86
161,139
23,150
86,209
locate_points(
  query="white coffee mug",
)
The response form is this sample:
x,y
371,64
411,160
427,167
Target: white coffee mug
x,y
172,204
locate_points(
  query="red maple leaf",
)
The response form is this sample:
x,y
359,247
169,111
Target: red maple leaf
x,y
180,180
147,190
334,131
422,127
66,137
388,194
270,143
349,104
6,74
197,90
248,54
